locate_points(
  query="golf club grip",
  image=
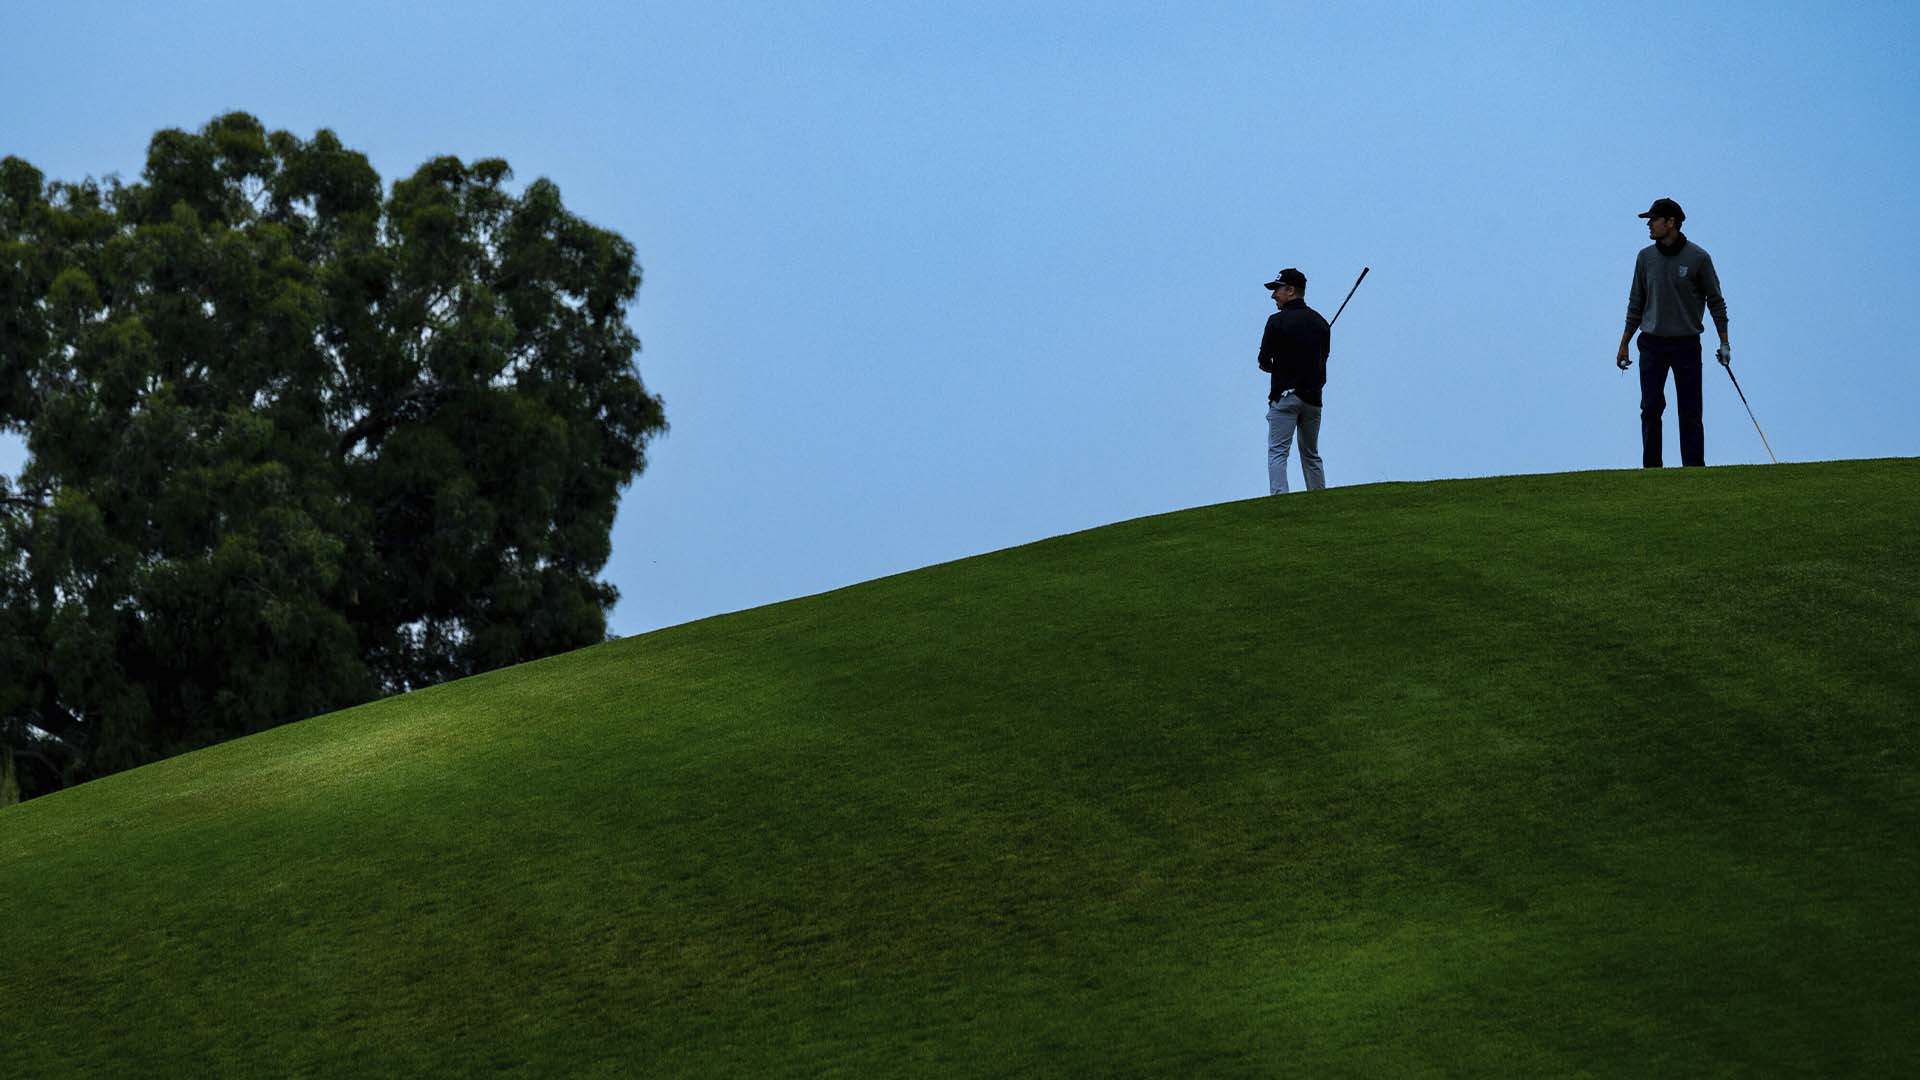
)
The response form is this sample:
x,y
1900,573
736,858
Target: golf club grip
x,y
1350,292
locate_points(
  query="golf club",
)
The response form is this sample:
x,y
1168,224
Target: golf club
x,y
1750,416
1350,292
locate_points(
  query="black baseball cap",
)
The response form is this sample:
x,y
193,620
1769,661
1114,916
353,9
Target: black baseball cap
x,y
1665,208
1289,276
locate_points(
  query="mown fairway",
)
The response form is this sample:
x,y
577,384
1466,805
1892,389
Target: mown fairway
x,y
1604,774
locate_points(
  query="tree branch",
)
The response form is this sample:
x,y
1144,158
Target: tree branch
x,y
20,754
58,723
371,428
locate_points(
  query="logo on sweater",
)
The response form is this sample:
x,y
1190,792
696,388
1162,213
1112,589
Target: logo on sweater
x,y
1683,271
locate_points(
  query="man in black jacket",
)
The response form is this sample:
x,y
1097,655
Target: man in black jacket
x,y
1294,352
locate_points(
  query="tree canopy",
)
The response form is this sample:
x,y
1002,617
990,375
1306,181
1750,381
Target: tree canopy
x,y
294,440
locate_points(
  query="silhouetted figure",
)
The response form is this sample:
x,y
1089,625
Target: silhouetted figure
x,y
1673,280
1294,352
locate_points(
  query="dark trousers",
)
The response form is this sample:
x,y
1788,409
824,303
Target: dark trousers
x,y
1659,355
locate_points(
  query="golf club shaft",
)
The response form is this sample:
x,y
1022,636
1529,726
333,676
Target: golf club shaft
x,y
1750,416
1350,292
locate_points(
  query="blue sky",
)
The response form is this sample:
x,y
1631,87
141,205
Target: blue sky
x,y
926,283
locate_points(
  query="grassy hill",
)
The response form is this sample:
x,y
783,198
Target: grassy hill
x,y
1605,774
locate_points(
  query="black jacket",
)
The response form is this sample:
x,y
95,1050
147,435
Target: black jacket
x,y
1294,349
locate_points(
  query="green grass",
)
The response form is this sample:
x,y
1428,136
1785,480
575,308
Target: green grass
x,y
1607,774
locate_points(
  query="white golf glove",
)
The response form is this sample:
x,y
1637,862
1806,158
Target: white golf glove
x,y
1724,354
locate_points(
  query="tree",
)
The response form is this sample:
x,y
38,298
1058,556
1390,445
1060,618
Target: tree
x,y
295,442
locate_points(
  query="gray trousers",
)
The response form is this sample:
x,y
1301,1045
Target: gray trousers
x,y
1284,418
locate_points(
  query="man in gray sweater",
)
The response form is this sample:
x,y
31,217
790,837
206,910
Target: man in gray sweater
x,y
1673,281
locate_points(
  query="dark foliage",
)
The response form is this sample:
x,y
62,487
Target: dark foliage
x,y
295,441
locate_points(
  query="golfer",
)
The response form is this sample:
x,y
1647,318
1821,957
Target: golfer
x,y
1673,279
1293,352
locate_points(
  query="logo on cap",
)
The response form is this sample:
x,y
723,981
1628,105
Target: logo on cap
x,y
1289,276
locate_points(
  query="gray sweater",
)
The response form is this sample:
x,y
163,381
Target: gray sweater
x,y
1670,288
